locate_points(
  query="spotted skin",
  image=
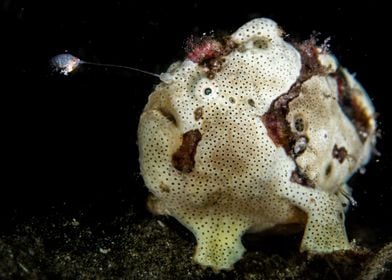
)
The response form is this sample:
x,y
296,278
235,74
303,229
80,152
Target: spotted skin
x,y
238,178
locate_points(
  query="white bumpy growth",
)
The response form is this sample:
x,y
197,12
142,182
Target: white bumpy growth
x,y
216,154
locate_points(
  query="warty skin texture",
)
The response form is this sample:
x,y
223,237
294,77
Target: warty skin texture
x,y
268,138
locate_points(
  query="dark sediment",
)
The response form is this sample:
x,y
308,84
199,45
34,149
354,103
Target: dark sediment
x,y
134,247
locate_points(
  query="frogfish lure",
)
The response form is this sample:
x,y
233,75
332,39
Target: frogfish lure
x,y
65,63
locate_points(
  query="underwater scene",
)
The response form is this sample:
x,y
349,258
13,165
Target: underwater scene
x,y
195,140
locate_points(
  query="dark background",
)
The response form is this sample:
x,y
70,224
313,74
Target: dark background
x,y
70,142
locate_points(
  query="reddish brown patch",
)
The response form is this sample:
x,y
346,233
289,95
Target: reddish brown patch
x,y
274,119
300,178
214,65
228,45
184,158
352,107
208,50
278,128
362,119
309,57
203,49
339,153
198,113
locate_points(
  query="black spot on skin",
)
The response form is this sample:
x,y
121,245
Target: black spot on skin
x,y
339,153
251,102
328,170
340,216
184,158
207,91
